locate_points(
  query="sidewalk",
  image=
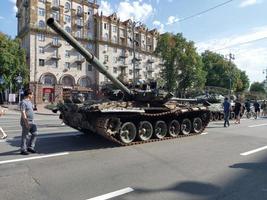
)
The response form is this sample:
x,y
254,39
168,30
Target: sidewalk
x,y
41,110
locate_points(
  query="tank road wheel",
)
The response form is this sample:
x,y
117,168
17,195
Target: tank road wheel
x,y
197,125
186,126
145,130
127,132
161,129
174,128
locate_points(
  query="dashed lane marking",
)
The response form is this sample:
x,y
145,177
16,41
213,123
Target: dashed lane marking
x,y
257,125
205,133
44,137
113,194
33,158
253,151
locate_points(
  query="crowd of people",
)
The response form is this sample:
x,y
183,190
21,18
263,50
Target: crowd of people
x,y
239,108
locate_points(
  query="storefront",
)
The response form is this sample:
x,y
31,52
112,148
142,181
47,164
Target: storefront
x,y
48,95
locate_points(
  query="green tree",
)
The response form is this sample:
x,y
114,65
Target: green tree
x,y
182,65
222,73
257,87
12,62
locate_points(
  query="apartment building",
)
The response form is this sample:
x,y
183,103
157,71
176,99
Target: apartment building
x,y
117,41
56,69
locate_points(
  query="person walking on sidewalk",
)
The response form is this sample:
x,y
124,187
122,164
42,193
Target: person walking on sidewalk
x,y
4,135
226,110
237,111
27,124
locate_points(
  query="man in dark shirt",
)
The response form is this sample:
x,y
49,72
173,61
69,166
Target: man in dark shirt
x,y
27,124
226,110
257,108
247,105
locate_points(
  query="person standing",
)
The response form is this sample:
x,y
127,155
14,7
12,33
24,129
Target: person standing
x,y
226,110
237,111
257,108
4,135
27,124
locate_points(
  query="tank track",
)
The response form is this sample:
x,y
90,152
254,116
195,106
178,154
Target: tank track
x,y
101,125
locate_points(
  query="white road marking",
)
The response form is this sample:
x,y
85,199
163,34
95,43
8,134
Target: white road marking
x,y
253,151
34,158
257,125
205,133
113,194
45,136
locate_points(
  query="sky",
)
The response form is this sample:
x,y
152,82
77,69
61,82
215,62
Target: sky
x,y
233,26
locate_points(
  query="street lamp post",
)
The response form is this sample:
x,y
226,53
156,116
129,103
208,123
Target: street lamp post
x,y
19,81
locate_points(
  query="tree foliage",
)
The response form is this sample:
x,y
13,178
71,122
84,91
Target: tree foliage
x,y
223,73
12,62
257,87
183,67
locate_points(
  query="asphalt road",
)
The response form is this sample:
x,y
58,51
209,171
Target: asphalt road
x,y
71,166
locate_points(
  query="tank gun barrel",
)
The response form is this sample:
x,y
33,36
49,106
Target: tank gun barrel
x,y
86,54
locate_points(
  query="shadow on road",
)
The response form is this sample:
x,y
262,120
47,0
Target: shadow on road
x,y
64,144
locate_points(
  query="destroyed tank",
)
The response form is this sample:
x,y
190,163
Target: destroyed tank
x,y
131,116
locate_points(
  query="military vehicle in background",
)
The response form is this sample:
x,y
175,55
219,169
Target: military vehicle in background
x,y
130,116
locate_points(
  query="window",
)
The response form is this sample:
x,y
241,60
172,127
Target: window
x,y
41,24
54,64
67,18
115,70
67,7
67,65
79,10
41,11
105,26
42,1
41,50
106,58
89,68
79,21
55,41
78,34
130,72
106,37
67,54
41,62
41,37
67,29
79,66
55,15
114,39
114,29
55,2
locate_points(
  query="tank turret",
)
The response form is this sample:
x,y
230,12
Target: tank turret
x,y
137,116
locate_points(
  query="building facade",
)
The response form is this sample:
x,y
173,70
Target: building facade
x,y
57,71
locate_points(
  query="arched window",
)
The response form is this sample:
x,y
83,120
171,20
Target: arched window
x,y
106,37
114,39
67,28
48,79
79,9
78,34
41,24
67,7
68,81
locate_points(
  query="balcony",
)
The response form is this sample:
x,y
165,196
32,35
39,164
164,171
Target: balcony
x,y
55,57
55,44
55,7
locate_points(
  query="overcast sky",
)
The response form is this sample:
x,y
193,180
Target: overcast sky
x,y
236,26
